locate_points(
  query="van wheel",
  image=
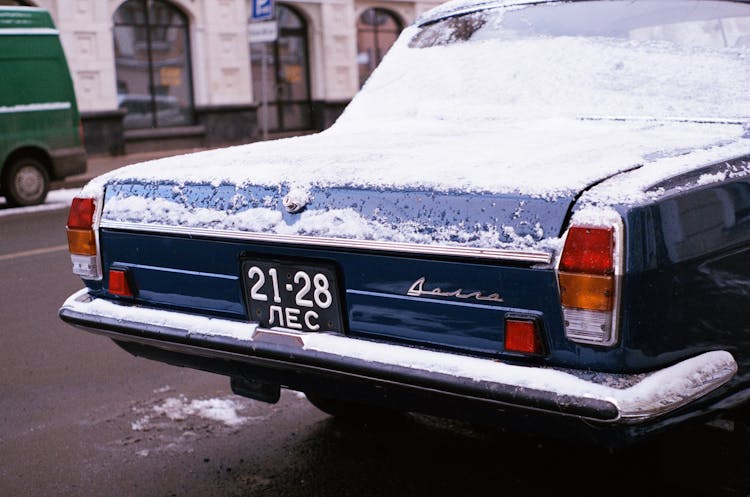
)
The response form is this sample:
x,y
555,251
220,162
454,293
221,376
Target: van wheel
x,y
25,182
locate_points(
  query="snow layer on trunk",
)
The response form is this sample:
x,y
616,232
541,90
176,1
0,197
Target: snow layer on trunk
x,y
494,116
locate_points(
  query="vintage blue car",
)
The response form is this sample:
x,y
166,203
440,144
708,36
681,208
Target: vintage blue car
x,y
535,212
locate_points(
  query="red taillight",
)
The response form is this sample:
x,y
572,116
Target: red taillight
x,y
118,283
522,335
81,215
81,136
589,250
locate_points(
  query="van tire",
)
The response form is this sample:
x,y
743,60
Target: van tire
x,y
25,181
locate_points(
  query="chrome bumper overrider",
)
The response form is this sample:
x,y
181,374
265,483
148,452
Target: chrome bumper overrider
x,y
601,397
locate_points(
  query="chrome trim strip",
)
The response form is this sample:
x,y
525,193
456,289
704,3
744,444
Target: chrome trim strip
x,y
339,243
182,271
641,397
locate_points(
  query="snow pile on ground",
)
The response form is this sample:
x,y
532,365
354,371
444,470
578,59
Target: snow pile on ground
x,y
180,408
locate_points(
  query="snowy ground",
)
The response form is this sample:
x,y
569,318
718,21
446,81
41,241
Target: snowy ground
x,y
56,199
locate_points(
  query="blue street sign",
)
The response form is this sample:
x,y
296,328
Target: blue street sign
x,y
262,10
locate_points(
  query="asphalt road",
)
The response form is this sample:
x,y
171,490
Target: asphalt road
x,y
80,417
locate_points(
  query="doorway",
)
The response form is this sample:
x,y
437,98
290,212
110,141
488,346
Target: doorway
x,y
288,75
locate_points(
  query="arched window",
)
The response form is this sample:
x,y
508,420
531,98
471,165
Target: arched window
x,y
377,30
287,79
152,59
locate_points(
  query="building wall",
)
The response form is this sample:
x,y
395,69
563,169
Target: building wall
x,y
224,99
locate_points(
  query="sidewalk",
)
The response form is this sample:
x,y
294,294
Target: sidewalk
x,y
100,164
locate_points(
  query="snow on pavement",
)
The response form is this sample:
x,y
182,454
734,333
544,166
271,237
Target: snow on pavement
x,y
56,199
174,422
180,408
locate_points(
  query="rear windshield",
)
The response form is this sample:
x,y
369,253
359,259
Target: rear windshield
x,y
716,25
660,59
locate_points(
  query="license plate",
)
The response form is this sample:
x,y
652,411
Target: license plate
x,y
292,295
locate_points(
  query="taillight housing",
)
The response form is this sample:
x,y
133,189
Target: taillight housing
x,y
83,240
588,275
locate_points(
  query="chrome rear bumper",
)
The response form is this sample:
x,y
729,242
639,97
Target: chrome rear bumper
x,y
602,397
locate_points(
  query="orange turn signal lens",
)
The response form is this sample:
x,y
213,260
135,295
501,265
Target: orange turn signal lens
x,y
81,242
587,291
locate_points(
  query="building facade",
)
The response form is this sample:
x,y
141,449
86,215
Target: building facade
x,y
159,74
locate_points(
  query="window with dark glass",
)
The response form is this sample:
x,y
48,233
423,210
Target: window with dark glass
x,y
287,76
152,59
377,30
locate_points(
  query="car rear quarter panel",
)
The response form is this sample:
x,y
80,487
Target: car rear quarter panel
x,y
687,282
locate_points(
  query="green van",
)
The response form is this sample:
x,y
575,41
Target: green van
x,y
40,128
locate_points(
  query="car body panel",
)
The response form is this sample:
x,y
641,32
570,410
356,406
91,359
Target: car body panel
x,y
688,251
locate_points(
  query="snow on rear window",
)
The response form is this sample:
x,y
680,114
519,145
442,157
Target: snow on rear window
x,y
500,74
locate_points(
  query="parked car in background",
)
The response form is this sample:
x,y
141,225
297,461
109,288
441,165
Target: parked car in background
x,y
41,137
140,114
536,213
